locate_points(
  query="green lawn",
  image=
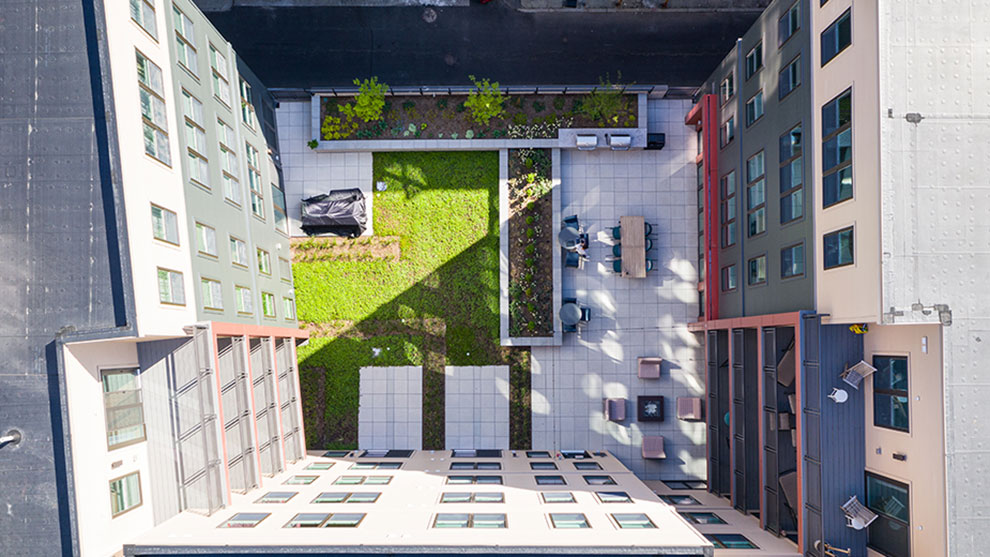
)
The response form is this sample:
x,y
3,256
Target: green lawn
x,y
436,306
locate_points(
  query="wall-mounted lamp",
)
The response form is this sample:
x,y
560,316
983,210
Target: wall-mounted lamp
x,y
838,395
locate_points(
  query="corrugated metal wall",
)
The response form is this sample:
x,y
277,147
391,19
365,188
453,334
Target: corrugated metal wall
x,y
266,406
289,399
235,393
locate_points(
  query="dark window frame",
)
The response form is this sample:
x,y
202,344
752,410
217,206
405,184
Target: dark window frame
x,y
883,516
727,87
763,111
749,275
905,393
751,183
723,281
835,26
787,161
759,61
836,233
781,93
804,261
782,40
727,218
837,169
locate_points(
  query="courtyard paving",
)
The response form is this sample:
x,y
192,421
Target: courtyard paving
x,y
391,414
477,407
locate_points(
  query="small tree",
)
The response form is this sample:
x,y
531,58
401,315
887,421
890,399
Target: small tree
x,y
605,103
369,102
485,101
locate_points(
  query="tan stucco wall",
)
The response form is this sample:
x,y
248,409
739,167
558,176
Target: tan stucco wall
x,y
852,293
924,469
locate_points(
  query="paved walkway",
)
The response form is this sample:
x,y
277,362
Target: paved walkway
x,y
477,407
391,414
630,317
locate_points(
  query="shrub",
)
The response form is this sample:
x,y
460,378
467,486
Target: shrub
x,y
312,143
538,106
604,104
335,128
369,102
531,306
442,104
530,220
461,107
528,277
558,103
530,262
408,106
520,119
485,101
529,291
530,249
531,326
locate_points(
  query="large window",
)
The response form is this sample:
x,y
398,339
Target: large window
x,y
247,104
254,180
837,179
569,520
728,131
789,23
466,520
632,520
791,176
151,91
212,292
164,225
264,262
728,87
838,248
792,261
206,239
836,37
790,78
123,407
758,270
170,287
890,533
289,308
185,41
730,541
754,109
268,304
754,60
756,211
125,494
890,393
242,295
228,163
221,83
238,252
278,201
728,278
143,13
727,208
199,168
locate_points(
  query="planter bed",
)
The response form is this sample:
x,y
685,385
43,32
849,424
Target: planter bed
x,y
530,243
445,117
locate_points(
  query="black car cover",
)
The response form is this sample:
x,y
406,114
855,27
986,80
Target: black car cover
x,y
338,213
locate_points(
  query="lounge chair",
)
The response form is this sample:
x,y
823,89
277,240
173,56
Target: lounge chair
x,y
572,222
572,259
857,515
617,265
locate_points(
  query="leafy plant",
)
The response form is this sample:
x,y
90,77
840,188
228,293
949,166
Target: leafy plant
x,y
539,106
530,220
461,107
369,102
336,128
530,249
558,103
442,104
529,291
469,134
485,101
530,233
408,106
605,103
312,143
520,119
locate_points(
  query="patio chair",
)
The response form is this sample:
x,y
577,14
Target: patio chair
x,y
584,240
650,265
649,228
857,515
615,409
585,314
653,447
572,259
586,142
617,265
617,250
568,300
690,409
648,368
649,244
571,221
854,375
616,232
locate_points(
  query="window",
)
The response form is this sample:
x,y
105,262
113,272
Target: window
x,y
575,454
730,541
289,308
727,190
613,497
789,79
558,497
587,466
143,13
727,88
837,179
472,498
164,225
754,60
756,218
206,239
264,261
890,393
221,85
686,484
728,131
300,480
758,270
254,180
836,37
247,105
838,248
550,480
317,520
170,287
212,292
123,408
463,520
320,466
702,518
538,454
679,500
542,466
633,520
276,497
569,520
281,218
242,295
244,520
375,466
285,269
336,454
228,163
475,466
238,252
599,480
344,520
481,480
361,497
791,176
199,168
890,533
472,453
151,92
792,261
185,41
789,23
754,109
366,480
729,278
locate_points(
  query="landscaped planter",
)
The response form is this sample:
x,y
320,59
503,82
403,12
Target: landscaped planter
x,y
532,116
530,223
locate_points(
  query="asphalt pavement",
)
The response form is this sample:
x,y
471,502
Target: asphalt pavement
x,y
303,47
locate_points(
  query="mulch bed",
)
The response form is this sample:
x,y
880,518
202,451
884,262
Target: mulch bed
x,y
530,244
365,248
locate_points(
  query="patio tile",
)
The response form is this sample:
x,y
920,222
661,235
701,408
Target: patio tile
x,y
477,407
391,410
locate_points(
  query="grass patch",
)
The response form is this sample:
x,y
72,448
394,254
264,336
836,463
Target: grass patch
x,y
436,305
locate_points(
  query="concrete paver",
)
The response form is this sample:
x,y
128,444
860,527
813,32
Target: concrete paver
x,y
391,408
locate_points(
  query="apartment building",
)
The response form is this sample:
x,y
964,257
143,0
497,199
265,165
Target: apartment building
x,y
165,346
857,236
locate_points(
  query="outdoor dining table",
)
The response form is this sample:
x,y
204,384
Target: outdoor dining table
x,y
633,233
570,314
569,237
